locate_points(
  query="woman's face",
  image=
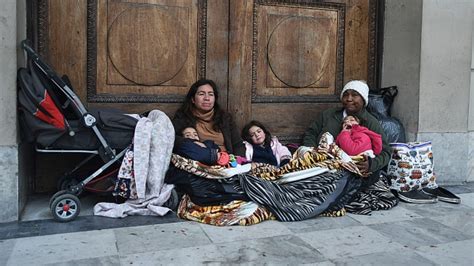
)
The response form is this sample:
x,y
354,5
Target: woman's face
x,y
204,98
352,101
257,135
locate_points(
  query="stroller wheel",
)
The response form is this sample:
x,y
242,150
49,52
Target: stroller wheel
x,y
65,182
57,194
65,207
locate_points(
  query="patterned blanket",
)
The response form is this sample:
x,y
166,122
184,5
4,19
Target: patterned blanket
x,y
328,194
236,212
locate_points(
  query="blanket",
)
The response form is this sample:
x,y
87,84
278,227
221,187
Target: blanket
x,y
153,145
236,212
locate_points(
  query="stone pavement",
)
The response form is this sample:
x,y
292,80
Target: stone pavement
x,y
424,234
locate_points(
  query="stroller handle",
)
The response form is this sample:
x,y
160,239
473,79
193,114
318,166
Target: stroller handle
x,y
48,71
44,67
26,46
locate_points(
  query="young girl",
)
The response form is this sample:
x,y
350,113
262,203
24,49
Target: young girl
x,y
355,139
261,147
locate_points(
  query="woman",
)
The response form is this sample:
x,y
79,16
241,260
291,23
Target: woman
x,y
201,111
354,98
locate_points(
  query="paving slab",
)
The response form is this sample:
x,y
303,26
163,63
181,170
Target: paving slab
x,y
398,213
400,257
321,223
6,248
105,261
348,242
463,222
467,199
277,250
142,239
63,247
453,253
198,255
419,232
236,233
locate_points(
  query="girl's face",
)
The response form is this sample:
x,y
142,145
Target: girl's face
x,y
204,98
257,135
350,121
190,133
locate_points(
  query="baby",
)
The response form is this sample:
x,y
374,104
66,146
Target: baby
x,y
206,152
355,139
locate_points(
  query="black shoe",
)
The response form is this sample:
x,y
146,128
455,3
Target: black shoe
x,y
415,196
443,194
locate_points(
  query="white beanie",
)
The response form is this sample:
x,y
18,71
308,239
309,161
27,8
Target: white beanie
x,y
359,86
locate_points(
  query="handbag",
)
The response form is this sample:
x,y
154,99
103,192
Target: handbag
x,y
411,166
381,100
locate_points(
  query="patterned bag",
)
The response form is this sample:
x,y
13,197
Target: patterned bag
x,y
411,166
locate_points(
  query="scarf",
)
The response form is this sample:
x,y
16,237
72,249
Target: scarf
x,y
204,127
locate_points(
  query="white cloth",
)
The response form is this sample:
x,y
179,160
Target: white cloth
x,y
153,145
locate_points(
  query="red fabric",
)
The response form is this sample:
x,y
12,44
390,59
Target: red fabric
x,y
57,119
358,140
224,158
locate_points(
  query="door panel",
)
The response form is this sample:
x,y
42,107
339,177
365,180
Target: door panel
x,y
145,51
290,59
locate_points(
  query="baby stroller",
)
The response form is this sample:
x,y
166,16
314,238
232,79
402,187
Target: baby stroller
x,y
52,116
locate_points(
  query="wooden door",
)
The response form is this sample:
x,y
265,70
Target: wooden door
x,y
277,61
290,59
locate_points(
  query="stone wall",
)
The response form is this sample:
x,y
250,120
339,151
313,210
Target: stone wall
x,y
401,59
9,190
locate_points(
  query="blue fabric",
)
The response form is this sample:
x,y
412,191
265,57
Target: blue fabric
x,y
263,155
191,150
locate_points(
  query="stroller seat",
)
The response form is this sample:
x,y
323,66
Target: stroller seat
x,y
116,128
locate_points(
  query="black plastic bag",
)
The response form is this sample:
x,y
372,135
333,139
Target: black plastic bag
x,y
380,104
380,101
393,128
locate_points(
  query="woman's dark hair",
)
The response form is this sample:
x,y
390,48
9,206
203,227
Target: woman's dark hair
x,y
246,136
187,107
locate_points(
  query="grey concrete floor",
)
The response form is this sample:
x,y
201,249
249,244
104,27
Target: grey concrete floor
x,y
409,234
